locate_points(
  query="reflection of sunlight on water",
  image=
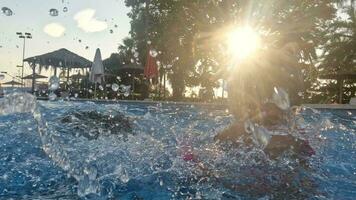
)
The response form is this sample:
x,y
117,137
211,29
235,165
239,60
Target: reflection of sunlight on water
x,y
154,155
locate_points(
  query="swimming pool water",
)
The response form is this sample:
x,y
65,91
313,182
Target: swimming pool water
x,y
57,163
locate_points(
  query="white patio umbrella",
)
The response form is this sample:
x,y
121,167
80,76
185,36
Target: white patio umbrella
x,y
97,72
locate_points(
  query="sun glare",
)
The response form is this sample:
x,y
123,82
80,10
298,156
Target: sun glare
x,y
243,42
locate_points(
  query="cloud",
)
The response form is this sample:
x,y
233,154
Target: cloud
x,y
86,21
54,29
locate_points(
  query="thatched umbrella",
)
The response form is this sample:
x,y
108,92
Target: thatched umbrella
x,y
12,83
61,58
132,69
34,76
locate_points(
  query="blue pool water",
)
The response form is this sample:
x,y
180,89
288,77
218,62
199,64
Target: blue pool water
x,y
43,157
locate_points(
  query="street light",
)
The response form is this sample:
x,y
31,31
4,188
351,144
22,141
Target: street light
x,y
23,36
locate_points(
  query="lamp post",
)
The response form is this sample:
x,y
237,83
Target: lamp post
x,y
23,36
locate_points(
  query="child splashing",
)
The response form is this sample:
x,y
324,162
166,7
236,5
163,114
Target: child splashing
x,y
270,129
261,105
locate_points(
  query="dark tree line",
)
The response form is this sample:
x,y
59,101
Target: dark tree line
x,y
315,36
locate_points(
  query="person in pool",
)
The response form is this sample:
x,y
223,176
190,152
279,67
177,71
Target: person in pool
x,y
267,129
259,100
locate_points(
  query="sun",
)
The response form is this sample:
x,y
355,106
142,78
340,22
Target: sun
x,y
243,42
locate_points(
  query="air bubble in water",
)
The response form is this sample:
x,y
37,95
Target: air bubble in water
x,y
53,12
90,91
53,83
7,11
115,87
101,87
65,9
153,53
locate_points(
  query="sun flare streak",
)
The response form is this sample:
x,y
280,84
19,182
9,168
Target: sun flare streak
x,y
243,42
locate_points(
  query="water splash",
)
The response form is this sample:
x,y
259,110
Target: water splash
x,y
110,167
26,103
281,98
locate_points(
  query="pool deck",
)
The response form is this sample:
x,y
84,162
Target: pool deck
x,y
331,106
221,105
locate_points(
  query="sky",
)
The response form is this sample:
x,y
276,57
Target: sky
x,y
80,26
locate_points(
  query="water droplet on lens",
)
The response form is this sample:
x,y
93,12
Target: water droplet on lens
x,y
115,87
52,97
153,53
53,83
6,11
53,12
